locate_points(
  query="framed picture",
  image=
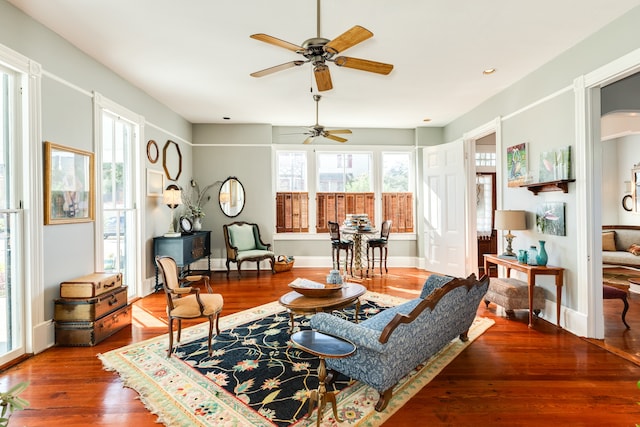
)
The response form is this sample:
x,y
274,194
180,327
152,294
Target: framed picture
x,y
555,165
155,183
516,164
550,218
68,185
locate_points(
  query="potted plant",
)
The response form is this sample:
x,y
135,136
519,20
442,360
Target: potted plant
x,y
10,402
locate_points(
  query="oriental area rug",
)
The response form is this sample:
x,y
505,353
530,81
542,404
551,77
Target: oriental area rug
x,y
255,376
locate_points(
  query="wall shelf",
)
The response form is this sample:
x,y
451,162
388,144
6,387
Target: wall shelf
x,y
559,185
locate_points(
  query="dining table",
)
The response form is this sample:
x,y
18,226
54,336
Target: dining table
x,y
358,234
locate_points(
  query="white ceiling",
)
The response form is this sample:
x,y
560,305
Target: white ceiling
x,y
195,56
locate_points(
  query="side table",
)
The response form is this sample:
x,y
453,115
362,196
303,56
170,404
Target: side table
x,y
323,346
531,271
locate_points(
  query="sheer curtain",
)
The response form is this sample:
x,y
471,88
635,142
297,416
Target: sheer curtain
x,y
484,206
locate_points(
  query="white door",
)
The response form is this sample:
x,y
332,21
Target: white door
x,y
444,192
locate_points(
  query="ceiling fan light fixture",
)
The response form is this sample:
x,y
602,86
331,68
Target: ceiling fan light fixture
x,y
318,50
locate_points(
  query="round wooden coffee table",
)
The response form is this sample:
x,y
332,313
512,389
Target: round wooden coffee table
x,y
299,304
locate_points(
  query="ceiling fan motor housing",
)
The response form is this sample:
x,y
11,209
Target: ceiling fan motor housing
x,y
314,50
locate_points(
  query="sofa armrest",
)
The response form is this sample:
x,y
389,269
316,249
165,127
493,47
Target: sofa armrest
x,y
360,335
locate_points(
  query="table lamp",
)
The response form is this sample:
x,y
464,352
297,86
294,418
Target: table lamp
x,y
510,220
172,197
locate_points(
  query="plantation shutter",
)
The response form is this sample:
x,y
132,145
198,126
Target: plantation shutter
x,y
292,212
336,206
398,207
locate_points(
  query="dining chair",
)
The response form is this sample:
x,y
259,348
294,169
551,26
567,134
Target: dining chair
x,y
337,245
382,244
187,302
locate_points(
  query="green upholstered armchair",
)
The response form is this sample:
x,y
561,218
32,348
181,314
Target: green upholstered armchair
x,y
244,243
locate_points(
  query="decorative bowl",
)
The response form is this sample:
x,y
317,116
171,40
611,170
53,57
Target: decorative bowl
x,y
309,288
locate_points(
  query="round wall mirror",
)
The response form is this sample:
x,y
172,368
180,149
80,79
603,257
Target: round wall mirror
x,y
231,197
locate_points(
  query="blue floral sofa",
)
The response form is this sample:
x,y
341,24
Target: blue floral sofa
x,y
395,341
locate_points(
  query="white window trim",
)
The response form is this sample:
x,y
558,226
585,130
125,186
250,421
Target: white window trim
x,y
39,333
100,104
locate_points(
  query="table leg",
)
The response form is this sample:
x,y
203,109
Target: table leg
x,y
357,252
322,395
531,279
291,319
357,309
559,280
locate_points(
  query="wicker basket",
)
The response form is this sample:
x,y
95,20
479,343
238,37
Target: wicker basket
x,y
283,263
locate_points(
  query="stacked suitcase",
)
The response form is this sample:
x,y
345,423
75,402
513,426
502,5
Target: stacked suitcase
x,y
91,309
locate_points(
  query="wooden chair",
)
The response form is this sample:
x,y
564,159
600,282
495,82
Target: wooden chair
x,y
244,243
187,302
611,292
381,244
337,245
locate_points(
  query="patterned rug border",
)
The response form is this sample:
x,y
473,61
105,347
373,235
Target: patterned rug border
x,y
171,412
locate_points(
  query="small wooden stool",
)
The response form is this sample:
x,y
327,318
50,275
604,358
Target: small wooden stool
x,y
513,294
610,292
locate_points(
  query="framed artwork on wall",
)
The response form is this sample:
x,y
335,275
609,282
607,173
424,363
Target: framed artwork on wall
x,y
68,185
516,164
555,164
155,183
550,218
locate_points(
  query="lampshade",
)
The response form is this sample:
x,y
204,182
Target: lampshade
x,y
172,196
510,220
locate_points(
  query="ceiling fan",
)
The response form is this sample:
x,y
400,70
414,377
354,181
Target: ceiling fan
x,y
318,130
319,51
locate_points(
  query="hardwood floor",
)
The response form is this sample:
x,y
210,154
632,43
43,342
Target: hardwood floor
x,y
510,376
618,339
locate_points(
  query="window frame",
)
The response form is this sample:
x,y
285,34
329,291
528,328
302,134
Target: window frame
x,y
312,153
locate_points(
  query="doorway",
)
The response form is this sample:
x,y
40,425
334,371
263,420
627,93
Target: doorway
x,y
620,150
486,200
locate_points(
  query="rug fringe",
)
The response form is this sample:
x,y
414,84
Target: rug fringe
x,y
144,394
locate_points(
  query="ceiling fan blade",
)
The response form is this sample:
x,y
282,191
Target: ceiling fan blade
x,y
277,68
275,41
333,137
334,131
323,77
363,64
348,39
308,140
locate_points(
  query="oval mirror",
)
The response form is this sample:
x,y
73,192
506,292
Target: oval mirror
x,y
231,197
172,160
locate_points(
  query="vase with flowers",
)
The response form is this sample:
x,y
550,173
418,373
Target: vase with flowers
x,y
194,199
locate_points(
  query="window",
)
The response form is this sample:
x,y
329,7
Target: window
x,y
292,171
118,142
341,183
12,288
344,187
292,200
485,159
397,199
345,172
